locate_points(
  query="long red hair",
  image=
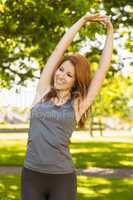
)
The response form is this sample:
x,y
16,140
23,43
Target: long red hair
x,y
82,81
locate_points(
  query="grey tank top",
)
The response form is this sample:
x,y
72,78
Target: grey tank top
x,y
51,127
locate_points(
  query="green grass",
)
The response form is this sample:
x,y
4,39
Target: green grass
x,y
104,188
88,188
12,152
102,154
9,187
85,154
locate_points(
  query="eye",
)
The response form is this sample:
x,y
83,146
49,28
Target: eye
x,y
61,68
69,75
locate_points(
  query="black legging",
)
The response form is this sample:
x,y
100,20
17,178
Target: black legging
x,y
43,186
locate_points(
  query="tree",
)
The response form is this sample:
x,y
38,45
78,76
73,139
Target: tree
x,y
30,29
114,98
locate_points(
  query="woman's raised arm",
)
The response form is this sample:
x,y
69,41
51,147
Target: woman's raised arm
x,y
46,75
104,64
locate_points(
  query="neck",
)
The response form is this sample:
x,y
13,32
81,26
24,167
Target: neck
x,y
63,94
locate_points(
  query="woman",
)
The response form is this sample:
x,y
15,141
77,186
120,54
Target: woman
x,y
63,97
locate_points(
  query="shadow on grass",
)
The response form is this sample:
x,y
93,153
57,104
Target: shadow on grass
x,y
104,189
12,152
85,154
88,188
102,154
9,187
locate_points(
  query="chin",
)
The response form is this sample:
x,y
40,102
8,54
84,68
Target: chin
x,y
61,87
58,86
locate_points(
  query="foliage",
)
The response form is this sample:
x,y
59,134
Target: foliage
x,y
114,98
30,29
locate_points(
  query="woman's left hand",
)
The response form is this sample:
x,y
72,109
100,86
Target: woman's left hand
x,y
106,22
104,19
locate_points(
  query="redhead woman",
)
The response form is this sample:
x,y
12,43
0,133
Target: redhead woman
x,y
64,94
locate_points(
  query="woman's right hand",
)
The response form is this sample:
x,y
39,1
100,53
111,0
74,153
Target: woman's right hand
x,y
104,19
94,18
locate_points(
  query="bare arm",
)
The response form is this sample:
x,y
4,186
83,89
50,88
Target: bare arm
x,y
46,75
100,74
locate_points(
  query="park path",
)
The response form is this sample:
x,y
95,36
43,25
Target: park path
x,y
98,172
80,136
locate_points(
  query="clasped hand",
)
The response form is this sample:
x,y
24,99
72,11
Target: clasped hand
x,y
103,19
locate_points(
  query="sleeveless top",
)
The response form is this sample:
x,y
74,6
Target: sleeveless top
x,y
51,127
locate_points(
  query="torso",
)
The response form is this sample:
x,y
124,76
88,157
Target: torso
x,y
77,110
50,130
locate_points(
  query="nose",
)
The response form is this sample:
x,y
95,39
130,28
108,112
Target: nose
x,y
62,76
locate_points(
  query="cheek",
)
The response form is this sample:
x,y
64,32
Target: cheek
x,y
56,73
70,81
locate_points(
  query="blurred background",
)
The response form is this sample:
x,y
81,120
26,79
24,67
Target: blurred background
x,y
29,32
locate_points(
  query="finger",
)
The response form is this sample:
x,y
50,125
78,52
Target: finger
x,y
101,17
95,16
103,23
98,18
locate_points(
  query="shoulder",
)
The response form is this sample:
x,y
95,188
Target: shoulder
x,y
38,97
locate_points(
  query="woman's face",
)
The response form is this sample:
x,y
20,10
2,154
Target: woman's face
x,y
64,76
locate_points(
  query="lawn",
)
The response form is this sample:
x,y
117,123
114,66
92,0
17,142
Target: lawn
x,y
85,153
102,154
88,188
94,152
